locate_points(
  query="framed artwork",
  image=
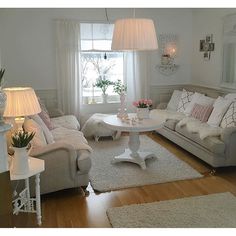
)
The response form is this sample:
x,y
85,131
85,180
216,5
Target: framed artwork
x,y
207,46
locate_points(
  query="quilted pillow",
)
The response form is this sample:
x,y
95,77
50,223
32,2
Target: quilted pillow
x,y
229,119
201,112
185,100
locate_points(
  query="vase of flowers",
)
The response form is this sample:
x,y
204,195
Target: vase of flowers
x,y
20,141
143,106
3,96
120,89
103,84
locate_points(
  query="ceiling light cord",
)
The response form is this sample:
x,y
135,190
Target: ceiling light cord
x,y
134,13
106,15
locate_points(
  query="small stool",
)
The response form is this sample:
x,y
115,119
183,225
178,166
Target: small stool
x,y
95,127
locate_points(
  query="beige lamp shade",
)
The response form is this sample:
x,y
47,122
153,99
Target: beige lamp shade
x,y
21,102
134,34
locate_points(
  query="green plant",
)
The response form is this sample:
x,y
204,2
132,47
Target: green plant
x,y
118,87
103,84
21,139
2,71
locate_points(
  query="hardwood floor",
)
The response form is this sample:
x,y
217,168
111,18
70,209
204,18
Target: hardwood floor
x,y
69,208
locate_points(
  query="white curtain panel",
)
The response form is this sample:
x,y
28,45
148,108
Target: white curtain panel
x,y
67,60
136,74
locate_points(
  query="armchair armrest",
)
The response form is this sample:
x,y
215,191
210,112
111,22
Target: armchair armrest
x,y
228,133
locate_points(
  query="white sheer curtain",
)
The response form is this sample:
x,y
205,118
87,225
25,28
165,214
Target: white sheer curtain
x,y
136,75
67,61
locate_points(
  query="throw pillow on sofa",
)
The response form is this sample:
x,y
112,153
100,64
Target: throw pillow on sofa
x,y
231,96
229,119
220,107
44,115
184,101
201,112
46,131
200,99
174,101
39,139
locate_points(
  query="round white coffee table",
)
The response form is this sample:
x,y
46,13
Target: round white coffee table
x,y
133,154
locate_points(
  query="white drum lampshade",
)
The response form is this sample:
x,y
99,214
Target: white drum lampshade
x,y
134,34
21,102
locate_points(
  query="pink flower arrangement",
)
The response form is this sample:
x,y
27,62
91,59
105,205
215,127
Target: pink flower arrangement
x,y
143,103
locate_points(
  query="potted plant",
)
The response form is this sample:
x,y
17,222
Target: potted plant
x,y
143,106
103,84
20,141
3,97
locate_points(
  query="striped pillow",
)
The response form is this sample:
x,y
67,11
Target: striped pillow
x,y
201,112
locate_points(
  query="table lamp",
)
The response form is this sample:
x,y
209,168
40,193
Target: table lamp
x,y
21,102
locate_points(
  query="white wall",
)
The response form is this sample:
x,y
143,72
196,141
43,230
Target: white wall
x,y
28,49
208,21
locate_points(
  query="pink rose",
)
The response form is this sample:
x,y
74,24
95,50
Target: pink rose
x,y
135,104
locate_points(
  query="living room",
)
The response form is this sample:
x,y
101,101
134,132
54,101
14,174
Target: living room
x,y
89,176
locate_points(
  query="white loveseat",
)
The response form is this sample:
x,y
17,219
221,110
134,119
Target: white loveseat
x,y
214,145
66,156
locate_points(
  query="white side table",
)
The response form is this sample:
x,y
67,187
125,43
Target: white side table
x,y
24,203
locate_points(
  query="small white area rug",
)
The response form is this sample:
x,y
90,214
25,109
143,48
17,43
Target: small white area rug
x,y
105,176
209,211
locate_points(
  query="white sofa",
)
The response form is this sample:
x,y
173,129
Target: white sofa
x,y
67,158
217,149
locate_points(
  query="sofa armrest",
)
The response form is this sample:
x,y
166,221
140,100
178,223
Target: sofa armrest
x,y
162,105
228,133
59,157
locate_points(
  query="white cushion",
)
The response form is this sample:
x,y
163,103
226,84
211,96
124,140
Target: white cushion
x,y
184,101
38,140
220,107
174,101
231,96
46,131
229,119
67,121
200,99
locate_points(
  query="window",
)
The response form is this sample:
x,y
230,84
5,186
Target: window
x,y
99,62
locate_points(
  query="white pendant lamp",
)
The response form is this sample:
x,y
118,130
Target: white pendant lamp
x,y
134,34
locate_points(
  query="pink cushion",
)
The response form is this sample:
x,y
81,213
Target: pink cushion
x,y
44,115
201,112
46,119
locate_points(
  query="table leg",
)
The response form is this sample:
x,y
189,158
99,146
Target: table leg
x,y
28,206
133,154
38,201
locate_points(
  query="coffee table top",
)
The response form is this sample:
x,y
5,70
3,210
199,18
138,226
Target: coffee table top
x,y
115,123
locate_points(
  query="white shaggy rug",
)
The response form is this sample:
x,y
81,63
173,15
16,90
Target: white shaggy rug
x,y
105,176
209,211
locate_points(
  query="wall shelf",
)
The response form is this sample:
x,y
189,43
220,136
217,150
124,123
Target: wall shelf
x,y
167,70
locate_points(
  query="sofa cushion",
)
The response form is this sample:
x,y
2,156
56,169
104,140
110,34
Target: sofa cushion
x,y
185,100
201,112
220,107
198,98
39,139
174,101
67,121
229,119
171,123
46,131
213,144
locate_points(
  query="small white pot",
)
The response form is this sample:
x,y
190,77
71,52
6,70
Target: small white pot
x,y
104,98
20,165
142,113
